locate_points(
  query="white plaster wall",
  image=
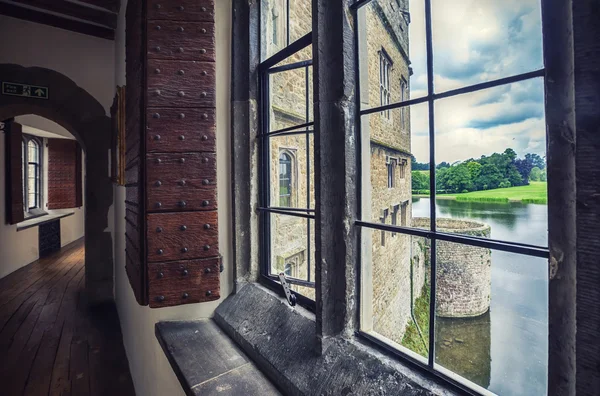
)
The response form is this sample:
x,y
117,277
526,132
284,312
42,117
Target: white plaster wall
x,y
151,372
19,248
86,60
89,61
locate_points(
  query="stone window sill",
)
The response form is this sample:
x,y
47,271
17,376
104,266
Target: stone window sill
x,y
207,362
46,218
280,340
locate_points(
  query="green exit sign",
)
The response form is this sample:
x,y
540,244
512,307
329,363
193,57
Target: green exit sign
x,y
30,91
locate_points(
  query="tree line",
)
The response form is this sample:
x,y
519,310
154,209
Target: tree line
x,y
485,173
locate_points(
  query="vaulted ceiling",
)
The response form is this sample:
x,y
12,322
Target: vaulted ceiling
x,y
92,17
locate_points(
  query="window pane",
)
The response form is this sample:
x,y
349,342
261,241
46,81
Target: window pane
x,y
33,151
304,54
278,29
292,171
290,98
292,248
395,163
491,168
477,41
395,290
492,318
385,28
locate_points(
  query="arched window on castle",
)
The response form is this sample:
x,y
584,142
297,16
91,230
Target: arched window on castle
x,y
285,180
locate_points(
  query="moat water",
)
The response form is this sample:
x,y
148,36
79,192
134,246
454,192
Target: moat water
x,y
505,350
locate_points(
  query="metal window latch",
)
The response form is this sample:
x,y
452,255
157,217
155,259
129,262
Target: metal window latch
x,y
291,298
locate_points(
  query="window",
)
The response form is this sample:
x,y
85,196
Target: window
x,y
385,66
403,97
458,120
402,167
391,164
279,26
32,168
283,22
395,217
403,214
285,180
384,215
287,198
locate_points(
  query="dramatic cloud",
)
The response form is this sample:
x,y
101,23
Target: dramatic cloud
x,y
476,41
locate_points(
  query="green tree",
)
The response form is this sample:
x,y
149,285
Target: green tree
x,y
489,177
415,165
514,175
420,180
536,160
474,169
535,174
455,179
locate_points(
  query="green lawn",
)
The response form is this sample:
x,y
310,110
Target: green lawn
x,y
535,192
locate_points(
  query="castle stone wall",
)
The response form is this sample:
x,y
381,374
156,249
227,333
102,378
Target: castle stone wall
x,y
464,278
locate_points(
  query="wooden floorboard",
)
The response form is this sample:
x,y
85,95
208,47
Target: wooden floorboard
x,y
51,342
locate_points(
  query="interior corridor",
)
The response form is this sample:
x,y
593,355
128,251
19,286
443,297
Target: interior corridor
x,y
50,342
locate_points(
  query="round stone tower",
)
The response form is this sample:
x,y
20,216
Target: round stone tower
x,y
464,278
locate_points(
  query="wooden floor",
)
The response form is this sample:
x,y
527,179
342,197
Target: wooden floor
x,y
51,343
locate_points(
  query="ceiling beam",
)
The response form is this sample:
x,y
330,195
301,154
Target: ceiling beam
x,y
74,10
111,5
56,21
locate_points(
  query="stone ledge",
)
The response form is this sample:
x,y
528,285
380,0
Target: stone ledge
x,y
281,341
207,362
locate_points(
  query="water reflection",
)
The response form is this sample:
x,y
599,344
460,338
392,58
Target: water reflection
x,y
463,345
506,349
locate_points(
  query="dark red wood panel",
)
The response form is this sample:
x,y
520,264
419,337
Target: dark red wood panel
x,y
182,236
181,40
183,282
171,144
197,170
181,199
183,182
180,130
13,172
180,84
182,10
63,174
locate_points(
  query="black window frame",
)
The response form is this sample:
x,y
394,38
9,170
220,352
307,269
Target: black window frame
x,y
432,234
265,69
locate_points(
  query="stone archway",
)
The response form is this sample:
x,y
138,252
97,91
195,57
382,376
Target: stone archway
x,y
83,116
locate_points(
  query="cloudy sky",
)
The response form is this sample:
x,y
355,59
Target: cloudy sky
x,y
476,41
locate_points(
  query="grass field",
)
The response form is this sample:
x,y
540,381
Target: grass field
x,y
535,192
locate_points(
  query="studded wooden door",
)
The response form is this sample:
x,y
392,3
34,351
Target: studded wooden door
x,y
172,231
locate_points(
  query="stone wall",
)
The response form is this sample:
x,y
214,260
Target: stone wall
x,y
396,262
463,272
